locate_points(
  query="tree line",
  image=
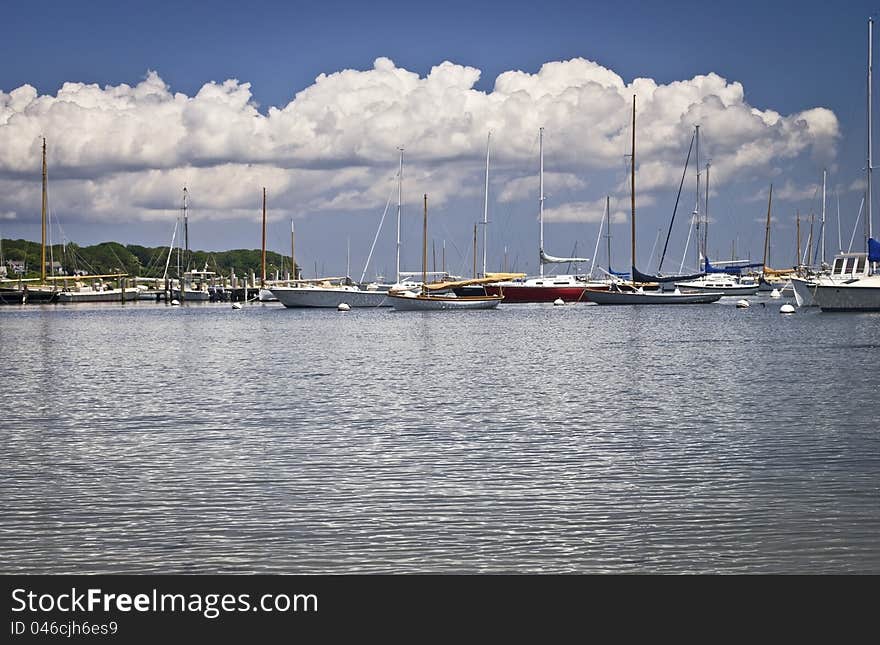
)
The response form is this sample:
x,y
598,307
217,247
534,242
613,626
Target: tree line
x,y
134,260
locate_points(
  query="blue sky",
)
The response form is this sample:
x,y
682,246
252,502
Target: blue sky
x,y
788,57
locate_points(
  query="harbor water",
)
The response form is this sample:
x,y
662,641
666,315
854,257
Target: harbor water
x,y
143,438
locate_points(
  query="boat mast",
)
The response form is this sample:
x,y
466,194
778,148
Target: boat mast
x,y
608,228
541,204
870,163
486,203
185,233
706,220
399,202
44,209
697,205
822,230
797,257
475,251
598,239
292,256
425,247
767,230
633,190
263,257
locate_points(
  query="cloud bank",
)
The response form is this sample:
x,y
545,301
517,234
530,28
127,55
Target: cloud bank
x,y
123,152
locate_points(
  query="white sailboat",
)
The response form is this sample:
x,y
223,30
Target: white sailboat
x,y
541,288
629,294
860,293
192,285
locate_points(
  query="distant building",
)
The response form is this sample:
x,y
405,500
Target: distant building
x,y
15,266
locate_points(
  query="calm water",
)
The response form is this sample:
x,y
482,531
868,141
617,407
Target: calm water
x,y
200,439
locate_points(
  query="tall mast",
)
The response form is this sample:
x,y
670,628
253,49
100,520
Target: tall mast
x,y
399,202
767,230
44,209
706,220
292,256
822,230
185,232
598,239
608,228
541,204
486,203
263,258
348,256
425,247
697,206
797,258
870,162
633,190
475,251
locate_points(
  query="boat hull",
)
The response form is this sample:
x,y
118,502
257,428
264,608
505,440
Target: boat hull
x,y
859,295
109,295
528,293
726,291
441,303
650,298
295,297
803,292
191,296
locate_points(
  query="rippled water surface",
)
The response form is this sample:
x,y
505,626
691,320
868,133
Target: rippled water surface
x,y
200,439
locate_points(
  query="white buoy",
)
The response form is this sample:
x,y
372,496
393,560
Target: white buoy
x,y
775,293
236,305
742,304
558,301
786,309
175,302
343,306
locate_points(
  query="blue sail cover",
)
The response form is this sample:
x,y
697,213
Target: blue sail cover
x,y
732,269
619,274
638,276
873,250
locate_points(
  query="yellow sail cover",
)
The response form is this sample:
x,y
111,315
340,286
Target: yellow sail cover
x,y
489,279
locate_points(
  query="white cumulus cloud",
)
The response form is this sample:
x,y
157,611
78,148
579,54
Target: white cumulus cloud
x,y
125,151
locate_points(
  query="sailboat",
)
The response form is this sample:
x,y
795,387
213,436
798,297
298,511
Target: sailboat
x,y
324,293
439,296
541,288
772,278
728,279
661,278
264,294
862,293
630,294
192,284
26,290
845,267
88,288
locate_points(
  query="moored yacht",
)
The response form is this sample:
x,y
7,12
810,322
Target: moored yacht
x,y
728,285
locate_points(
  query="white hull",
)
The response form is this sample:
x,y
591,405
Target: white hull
x,y
266,295
108,295
859,295
847,268
443,303
191,296
296,297
803,291
738,290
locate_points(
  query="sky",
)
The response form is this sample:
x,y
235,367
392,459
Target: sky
x,y
313,101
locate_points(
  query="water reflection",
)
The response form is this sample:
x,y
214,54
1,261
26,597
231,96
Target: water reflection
x,y
529,439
